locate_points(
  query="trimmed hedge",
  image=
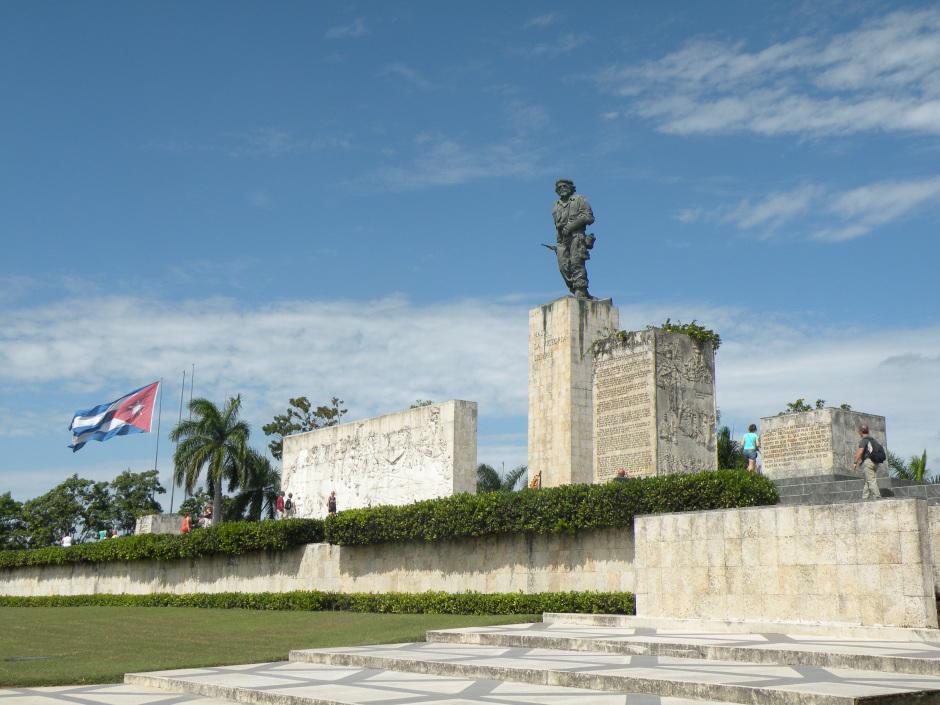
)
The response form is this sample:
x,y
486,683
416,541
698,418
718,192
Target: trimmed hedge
x,y
232,538
555,510
391,602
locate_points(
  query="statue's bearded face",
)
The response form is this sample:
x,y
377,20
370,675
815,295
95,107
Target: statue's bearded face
x,y
564,190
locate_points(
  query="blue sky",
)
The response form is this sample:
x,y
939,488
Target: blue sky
x,y
348,199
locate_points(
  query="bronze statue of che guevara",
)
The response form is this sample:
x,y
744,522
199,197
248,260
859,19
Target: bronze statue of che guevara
x,y
572,214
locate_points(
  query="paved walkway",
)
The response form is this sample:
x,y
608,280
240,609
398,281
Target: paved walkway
x,y
114,694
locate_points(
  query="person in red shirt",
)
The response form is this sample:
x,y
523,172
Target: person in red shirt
x,y
187,524
279,506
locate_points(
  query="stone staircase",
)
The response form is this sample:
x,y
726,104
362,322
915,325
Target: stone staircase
x,y
590,660
834,489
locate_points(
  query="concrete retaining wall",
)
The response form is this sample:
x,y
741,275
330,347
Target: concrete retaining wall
x,y
596,560
862,563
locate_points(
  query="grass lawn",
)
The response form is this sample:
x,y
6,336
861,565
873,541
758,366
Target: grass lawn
x,y
69,645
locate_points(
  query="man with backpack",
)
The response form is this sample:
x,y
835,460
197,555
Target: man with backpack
x,y
870,454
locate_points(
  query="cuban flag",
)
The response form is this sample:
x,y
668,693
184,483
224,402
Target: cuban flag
x,y
131,413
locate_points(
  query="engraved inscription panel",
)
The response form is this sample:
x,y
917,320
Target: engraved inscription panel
x,y
623,412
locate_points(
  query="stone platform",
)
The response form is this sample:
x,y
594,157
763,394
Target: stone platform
x,y
837,489
570,660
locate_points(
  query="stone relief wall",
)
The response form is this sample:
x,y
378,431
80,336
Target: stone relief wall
x,y
818,442
654,405
393,459
685,404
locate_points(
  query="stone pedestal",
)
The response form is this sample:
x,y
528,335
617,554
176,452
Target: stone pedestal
x,y
815,443
654,405
560,391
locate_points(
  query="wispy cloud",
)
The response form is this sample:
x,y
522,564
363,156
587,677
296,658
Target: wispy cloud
x,y
407,73
441,161
257,142
562,45
883,75
823,213
542,21
357,28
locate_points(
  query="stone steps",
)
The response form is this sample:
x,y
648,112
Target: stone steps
x,y
910,657
294,683
590,660
839,489
716,680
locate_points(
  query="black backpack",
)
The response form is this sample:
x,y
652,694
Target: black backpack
x,y
288,505
876,454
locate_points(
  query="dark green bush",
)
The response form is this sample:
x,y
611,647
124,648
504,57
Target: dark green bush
x,y
569,508
232,538
392,602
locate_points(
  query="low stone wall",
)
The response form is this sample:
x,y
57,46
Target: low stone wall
x,y
596,560
862,563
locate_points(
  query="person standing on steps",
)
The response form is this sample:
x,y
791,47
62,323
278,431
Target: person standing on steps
x,y
870,455
749,446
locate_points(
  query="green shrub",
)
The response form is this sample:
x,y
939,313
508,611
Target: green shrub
x,y
569,508
232,538
392,602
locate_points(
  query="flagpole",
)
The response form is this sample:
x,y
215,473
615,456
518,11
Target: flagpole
x,y
179,421
192,383
156,453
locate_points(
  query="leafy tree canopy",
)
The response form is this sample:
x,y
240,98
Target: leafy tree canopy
x,y
800,405
11,522
133,494
301,416
695,331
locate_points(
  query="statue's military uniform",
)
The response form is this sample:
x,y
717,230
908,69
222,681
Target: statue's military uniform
x,y
573,248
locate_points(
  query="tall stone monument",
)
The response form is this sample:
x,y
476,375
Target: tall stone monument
x,y
421,453
654,405
560,368
818,442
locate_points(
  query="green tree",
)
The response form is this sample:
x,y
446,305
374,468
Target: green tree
x,y
77,506
695,331
195,504
209,442
420,402
11,523
301,416
914,470
134,494
730,456
489,479
258,486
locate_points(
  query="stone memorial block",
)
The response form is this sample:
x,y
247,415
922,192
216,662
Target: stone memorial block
x,y
421,453
818,442
654,405
560,368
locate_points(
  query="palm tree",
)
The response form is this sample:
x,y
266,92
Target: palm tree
x,y
489,480
213,440
259,483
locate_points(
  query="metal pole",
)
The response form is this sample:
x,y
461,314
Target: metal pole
x,y
156,454
179,421
192,384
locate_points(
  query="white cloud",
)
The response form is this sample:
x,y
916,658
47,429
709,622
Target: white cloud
x,y
562,45
408,74
275,142
383,354
357,28
883,75
441,161
542,21
823,213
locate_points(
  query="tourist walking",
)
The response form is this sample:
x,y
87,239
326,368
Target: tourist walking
x,y
870,454
750,445
289,505
187,525
279,506
331,504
